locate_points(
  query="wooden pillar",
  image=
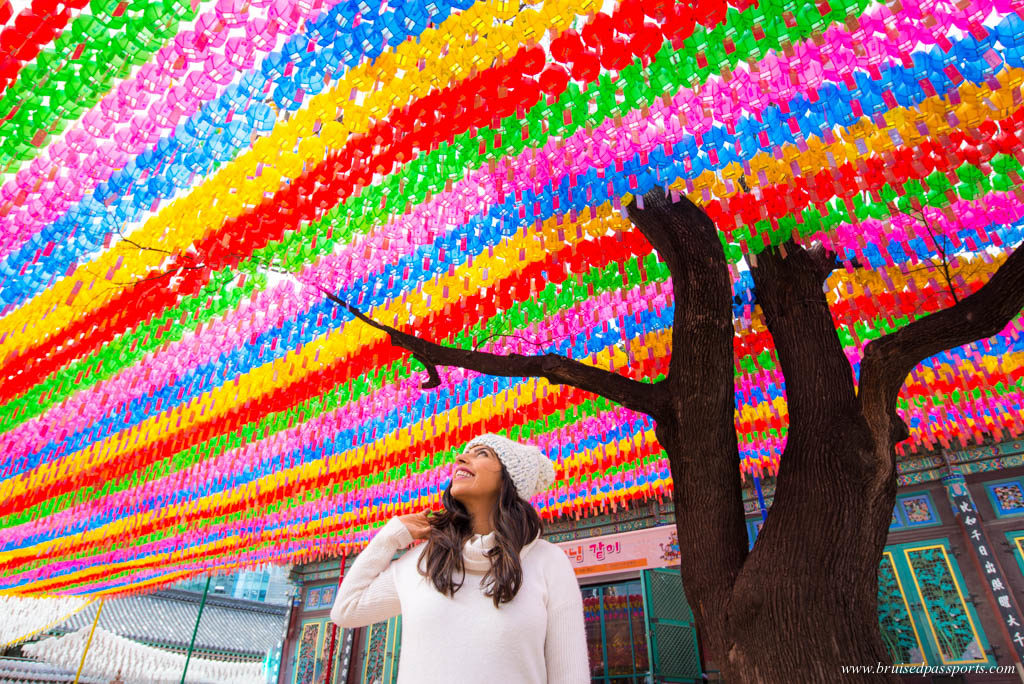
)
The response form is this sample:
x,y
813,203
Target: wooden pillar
x,y
986,563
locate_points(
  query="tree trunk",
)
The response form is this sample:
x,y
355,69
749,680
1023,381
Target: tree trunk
x,y
712,535
775,615
696,427
806,599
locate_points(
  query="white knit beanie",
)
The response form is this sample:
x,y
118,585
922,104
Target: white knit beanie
x,y
530,470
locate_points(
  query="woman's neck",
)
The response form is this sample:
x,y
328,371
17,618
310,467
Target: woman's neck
x,y
480,517
482,528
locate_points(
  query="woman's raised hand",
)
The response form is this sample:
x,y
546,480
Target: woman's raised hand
x,y
417,524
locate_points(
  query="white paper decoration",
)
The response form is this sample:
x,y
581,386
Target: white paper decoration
x,y
22,618
109,653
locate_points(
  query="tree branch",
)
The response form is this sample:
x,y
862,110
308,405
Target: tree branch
x,y
557,369
944,263
889,359
788,282
129,241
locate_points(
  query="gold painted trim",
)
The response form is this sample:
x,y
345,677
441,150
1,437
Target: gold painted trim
x,y
1020,549
368,637
959,592
316,648
389,662
910,614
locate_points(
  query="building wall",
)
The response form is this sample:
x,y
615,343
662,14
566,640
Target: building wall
x,y
270,585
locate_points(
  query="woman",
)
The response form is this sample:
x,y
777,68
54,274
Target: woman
x,y
485,599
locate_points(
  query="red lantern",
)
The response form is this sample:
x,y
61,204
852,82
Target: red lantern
x,y
646,43
629,17
567,47
599,31
554,80
587,66
529,61
678,25
615,55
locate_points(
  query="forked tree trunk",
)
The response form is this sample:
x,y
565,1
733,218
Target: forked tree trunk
x,y
806,600
802,604
807,596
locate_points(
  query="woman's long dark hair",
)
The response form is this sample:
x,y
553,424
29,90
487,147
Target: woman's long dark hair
x,y
516,524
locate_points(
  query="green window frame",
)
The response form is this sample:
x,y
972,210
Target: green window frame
x,y
673,650
308,651
899,630
929,591
381,651
638,651
1016,540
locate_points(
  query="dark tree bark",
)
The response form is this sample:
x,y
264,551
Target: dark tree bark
x,y
806,600
803,602
698,431
555,368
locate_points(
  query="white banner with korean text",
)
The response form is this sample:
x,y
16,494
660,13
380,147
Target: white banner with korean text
x,y
655,547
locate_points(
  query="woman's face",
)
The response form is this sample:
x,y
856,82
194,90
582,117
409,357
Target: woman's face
x,y
477,475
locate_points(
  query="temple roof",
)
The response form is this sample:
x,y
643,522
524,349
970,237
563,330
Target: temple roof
x,y
166,618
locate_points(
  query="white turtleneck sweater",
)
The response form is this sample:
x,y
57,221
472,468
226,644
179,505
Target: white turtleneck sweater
x,y
537,638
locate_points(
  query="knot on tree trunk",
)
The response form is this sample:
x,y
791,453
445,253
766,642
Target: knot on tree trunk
x,y
748,599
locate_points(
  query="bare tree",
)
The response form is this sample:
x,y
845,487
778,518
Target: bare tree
x,y
803,601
